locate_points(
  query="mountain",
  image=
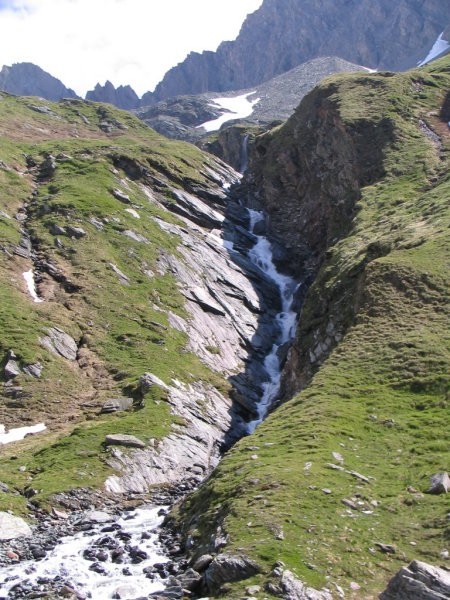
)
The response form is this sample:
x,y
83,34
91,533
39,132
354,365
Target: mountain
x,y
27,79
282,34
182,117
144,316
122,97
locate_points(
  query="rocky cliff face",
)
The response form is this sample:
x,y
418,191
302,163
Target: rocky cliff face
x,y
122,97
27,79
285,33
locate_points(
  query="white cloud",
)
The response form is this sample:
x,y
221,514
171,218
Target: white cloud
x,y
126,41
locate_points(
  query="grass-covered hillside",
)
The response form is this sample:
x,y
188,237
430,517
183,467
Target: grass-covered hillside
x,y
82,186
334,483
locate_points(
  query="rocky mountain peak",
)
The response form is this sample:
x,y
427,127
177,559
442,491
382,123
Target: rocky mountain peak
x,y
27,79
282,34
122,97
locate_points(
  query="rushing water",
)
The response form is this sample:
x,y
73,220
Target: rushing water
x,y
72,559
261,256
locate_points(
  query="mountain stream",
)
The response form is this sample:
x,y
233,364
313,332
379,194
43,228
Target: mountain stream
x,y
117,559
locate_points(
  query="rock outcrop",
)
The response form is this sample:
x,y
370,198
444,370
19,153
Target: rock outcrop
x,y
419,581
282,34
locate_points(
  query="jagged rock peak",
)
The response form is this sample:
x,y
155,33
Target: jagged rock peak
x,y
27,79
123,97
282,34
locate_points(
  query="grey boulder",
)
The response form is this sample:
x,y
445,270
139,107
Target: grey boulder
x,y
117,405
226,568
420,581
121,439
12,527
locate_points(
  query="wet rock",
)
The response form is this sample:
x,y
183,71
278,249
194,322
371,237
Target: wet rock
x,y
59,342
12,527
37,551
121,439
226,568
117,405
420,581
202,562
439,484
125,591
190,580
98,568
97,516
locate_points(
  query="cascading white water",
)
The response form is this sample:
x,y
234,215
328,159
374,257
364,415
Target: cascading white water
x,y
261,256
67,561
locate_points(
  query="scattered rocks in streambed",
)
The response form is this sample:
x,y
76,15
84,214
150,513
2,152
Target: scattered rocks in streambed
x,y
420,581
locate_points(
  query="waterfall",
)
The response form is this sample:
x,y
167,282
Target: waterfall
x,y
244,154
286,319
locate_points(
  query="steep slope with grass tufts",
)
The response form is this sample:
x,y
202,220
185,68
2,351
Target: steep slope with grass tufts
x,y
116,292
334,482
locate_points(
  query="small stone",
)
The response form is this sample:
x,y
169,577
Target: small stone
x,y
326,491
444,554
251,590
337,456
354,586
121,196
386,548
12,555
76,232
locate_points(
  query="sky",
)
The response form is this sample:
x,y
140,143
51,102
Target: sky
x,y
135,42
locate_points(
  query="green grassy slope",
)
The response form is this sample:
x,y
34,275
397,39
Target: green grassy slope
x,y
120,326
380,400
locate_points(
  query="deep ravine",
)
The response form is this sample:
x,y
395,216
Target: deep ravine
x,y
121,556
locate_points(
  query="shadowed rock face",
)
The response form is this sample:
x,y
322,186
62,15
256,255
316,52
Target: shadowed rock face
x,y
122,97
285,33
26,79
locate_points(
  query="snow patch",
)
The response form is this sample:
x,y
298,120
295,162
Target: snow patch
x,y
439,46
31,285
14,435
240,107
